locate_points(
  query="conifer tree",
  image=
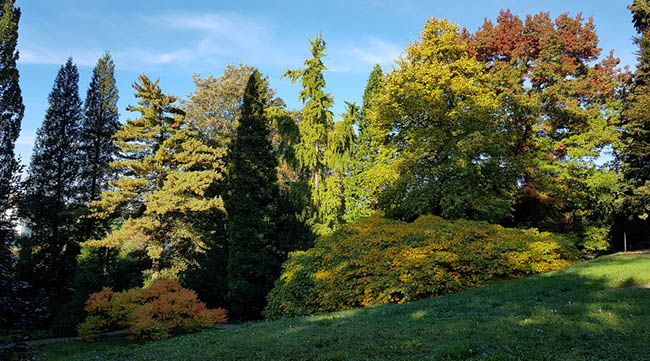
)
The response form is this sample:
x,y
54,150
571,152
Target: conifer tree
x,y
315,127
48,256
252,182
11,115
100,122
361,198
163,194
635,202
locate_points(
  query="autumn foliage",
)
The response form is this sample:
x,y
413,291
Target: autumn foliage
x,y
149,313
358,264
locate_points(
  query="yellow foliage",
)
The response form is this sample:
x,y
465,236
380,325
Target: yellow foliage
x,y
361,262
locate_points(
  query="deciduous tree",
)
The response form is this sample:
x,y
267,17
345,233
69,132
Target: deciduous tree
x,y
561,107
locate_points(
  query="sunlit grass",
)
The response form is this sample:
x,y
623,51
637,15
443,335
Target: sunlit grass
x,y
571,314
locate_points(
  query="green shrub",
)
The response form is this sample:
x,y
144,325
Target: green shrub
x,y
149,313
361,262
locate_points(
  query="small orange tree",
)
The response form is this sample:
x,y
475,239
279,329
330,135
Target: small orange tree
x,y
149,313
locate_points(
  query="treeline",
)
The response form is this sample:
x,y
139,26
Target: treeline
x,y
521,123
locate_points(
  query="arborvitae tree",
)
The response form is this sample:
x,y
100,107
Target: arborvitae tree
x,y
315,127
214,109
251,206
164,193
47,257
635,154
11,115
361,192
100,123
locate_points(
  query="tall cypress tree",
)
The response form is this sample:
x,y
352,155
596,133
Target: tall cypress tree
x,y
252,261
635,202
11,115
48,256
100,123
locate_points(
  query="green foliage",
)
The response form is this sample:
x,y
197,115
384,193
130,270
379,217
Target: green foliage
x,y
47,256
100,123
358,264
151,313
445,150
360,190
560,107
165,192
11,115
314,155
250,205
595,310
634,202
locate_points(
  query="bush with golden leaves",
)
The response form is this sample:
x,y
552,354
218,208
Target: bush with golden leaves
x,y
358,264
151,313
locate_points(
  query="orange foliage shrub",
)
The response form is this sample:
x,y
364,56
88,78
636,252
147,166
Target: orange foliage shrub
x,y
362,261
149,313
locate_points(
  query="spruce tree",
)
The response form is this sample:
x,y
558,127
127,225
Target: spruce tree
x,y
312,152
47,256
635,202
100,122
11,115
250,204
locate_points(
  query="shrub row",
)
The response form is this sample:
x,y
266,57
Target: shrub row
x,y
151,313
361,262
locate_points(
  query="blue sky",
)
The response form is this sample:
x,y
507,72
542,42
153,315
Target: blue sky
x,y
171,40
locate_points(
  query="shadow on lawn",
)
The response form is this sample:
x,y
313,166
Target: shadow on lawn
x,y
565,315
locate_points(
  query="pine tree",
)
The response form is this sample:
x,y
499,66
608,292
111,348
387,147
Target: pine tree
x,y
252,260
635,202
48,256
100,123
164,193
11,115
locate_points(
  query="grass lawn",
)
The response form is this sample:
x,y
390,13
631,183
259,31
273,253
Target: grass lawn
x,y
590,311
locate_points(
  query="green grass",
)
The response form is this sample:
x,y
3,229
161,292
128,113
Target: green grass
x,y
570,314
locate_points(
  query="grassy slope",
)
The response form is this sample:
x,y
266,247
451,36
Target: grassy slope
x,y
527,319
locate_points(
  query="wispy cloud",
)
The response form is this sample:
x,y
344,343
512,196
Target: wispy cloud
x,y
193,38
362,55
38,54
378,51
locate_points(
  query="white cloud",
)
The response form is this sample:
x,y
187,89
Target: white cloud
x,y
37,54
377,51
361,55
193,38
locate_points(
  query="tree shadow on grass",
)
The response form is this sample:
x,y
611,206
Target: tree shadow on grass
x,y
564,315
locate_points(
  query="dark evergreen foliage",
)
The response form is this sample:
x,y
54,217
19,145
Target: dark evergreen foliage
x,y
100,122
47,257
635,155
11,115
253,262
